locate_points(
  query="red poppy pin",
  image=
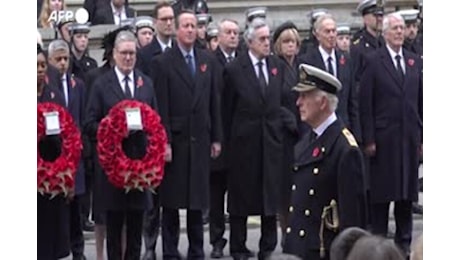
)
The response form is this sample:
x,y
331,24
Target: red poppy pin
x,y
315,152
72,82
52,95
274,71
140,82
411,62
342,60
203,67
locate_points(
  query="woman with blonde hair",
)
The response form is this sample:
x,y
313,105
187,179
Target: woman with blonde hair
x,y
48,7
286,46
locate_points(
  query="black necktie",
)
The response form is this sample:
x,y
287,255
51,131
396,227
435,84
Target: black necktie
x,y
229,59
190,64
167,49
330,69
128,93
262,81
313,136
399,68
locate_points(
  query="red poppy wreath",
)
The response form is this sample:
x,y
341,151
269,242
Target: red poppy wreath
x,y
123,170
58,155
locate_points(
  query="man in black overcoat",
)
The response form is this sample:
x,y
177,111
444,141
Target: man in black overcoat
x,y
225,53
119,83
252,119
187,85
391,110
340,66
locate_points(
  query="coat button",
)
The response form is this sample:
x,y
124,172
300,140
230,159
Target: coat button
x,y
301,233
295,168
315,171
311,192
323,149
288,230
293,187
193,139
291,209
307,212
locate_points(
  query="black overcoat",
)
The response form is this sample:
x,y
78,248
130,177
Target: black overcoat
x,y
391,117
189,107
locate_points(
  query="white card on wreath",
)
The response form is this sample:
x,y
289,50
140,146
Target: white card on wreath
x,y
52,125
133,119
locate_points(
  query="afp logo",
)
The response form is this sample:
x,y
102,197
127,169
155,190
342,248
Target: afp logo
x,y
81,16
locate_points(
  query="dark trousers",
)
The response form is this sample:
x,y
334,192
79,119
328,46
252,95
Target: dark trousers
x,y
152,224
238,235
170,231
403,219
77,241
114,226
218,187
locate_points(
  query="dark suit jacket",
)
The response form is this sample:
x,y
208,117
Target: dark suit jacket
x,y
189,108
330,168
253,125
391,117
347,108
76,107
147,53
105,93
53,216
219,163
105,15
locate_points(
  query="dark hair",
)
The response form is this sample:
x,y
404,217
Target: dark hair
x,y
344,242
375,248
158,6
185,11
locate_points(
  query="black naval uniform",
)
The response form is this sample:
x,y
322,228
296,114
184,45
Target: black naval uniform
x,y
82,66
363,44
415,46
329,168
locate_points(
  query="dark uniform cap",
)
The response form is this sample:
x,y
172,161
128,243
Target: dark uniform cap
x,y
343,29
254,12
285,26
64,21
143,21
410,15
311,78
203,18
314,14
369,6
79,28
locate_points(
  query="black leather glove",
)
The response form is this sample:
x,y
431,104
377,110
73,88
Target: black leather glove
x,y
49,147
135,144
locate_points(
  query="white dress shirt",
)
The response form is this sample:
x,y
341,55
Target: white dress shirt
x,y
164,45
324,125
66,89
118,16
393,58
326,56
254,61
121,80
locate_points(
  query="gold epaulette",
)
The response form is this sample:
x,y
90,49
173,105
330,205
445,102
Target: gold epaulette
x,y
350,138
356,41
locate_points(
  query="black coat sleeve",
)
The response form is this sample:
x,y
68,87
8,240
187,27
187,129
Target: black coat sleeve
x,y
351,190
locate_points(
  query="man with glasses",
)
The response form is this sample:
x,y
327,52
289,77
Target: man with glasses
x,y
120,83
163,20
